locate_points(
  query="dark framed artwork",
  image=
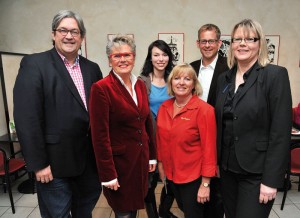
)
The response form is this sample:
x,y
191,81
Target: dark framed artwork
x,y
226,40
83,48
273,43
176,43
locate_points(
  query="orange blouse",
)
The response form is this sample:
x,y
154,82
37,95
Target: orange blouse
x,y
186,144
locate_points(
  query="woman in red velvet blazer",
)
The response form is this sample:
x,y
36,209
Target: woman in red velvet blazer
x,y
122,131
186,141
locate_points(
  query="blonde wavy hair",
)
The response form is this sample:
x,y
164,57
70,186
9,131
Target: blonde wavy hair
x,y
182,69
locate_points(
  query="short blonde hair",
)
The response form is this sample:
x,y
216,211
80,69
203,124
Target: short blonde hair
x,y
181,69
248,26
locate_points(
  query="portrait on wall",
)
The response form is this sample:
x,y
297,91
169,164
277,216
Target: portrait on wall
x,y
110,36
273,42
176,44
225,45
83,49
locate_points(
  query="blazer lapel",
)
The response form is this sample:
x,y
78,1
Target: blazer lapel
x,y
218,70
121,90
139,94
64,73
86,78
250,81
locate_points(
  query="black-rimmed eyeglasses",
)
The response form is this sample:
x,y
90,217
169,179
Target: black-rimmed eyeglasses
x,y
246,40
65,32
210,41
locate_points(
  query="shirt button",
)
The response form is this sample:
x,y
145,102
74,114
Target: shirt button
x,y
140,144
236,138
235,117
140,131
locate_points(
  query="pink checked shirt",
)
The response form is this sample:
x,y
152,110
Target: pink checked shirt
x,y
76,75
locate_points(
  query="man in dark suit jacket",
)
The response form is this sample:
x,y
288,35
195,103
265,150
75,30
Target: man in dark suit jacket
x,y
50,110
208,69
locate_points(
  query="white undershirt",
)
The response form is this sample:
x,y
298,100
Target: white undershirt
x,y
133,79
205,77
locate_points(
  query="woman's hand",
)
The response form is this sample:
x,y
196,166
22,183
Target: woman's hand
x,y
266,194
204,191
203,194
113,186
161,171
152,167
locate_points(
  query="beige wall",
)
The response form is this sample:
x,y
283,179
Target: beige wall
x,y
26,25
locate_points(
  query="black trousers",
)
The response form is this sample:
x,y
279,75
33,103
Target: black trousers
x,y
186,197
241,196
214,208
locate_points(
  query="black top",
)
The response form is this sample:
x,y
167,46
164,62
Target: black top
x,y
228,156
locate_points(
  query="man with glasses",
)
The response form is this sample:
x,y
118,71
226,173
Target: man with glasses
x,y
208,69
51,96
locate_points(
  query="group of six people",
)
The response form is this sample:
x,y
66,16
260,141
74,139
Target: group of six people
x,y
215,132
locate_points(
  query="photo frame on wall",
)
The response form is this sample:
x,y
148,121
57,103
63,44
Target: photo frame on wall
x,y
226,39
176,43
273,43
110,36
83,48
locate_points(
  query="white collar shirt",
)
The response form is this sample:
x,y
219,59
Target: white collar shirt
x,y
133,79
205,76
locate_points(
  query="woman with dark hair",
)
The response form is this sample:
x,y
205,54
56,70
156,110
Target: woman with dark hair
x,y
155,72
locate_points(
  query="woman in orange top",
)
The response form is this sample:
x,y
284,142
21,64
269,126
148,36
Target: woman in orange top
x,y
186,141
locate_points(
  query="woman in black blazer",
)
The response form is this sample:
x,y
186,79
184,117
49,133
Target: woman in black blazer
x,y
253,111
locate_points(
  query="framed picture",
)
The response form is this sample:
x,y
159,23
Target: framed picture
x,y
273,42
176,43
226,40
110,36
83,48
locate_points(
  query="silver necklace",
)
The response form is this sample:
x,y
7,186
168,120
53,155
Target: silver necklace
x,y
180,106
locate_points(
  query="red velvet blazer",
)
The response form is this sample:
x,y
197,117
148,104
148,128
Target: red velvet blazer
x,y
123,141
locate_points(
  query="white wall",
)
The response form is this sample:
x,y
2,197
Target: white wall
x,y
26,25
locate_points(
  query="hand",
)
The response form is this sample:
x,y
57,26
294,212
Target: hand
x,y
113,186
203,194
161,171
44,175
152,167
266,194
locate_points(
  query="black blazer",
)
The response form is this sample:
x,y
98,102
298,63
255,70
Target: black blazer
x,y
221,66
51,120
262,121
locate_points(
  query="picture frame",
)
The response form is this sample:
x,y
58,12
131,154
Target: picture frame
x,y
176,44
273,43
226,40
83,49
